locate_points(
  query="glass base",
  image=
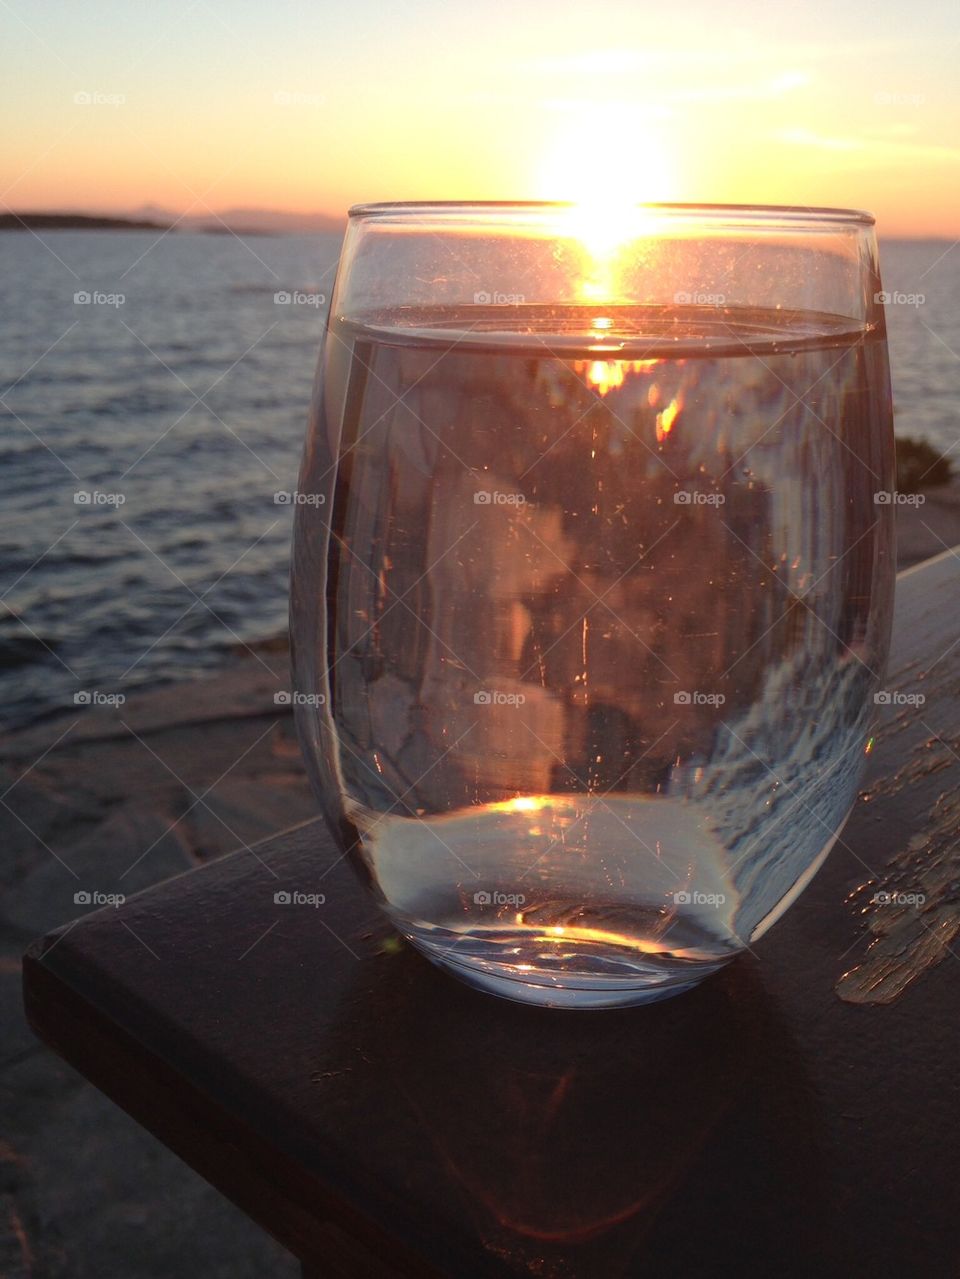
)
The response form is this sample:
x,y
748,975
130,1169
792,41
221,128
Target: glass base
x,y
643,981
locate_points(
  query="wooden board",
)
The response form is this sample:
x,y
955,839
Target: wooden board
x,y
381,1119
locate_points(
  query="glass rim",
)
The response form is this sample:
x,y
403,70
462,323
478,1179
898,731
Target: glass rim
x,y
742,213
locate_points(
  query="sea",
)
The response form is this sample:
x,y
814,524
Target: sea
x,y
153,398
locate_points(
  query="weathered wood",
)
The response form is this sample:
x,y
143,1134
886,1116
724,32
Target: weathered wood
x,y
380,1119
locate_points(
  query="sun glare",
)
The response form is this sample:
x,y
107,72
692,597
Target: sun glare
x,y
609,375
607,184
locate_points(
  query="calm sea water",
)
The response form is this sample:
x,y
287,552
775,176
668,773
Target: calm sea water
x,y
188,400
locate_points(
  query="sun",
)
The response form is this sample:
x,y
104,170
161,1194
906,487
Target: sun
x,y
608,176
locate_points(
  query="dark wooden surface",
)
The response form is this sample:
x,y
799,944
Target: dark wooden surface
x,y
381,1119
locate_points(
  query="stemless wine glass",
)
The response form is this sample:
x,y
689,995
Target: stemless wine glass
x,y
593,578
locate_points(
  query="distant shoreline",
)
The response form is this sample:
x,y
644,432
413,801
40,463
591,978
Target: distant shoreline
x,y
193,226
78,222
74,222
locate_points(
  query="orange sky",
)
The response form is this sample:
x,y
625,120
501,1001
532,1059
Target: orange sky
x,y
221,105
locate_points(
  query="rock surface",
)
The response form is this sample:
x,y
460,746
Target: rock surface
x,y
928,527
101,803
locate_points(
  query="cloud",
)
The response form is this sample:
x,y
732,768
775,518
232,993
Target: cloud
x,y
871,148
738,50
761,91
652,106
807,138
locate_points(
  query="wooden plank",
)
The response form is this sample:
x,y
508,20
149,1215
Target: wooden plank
x,y
379,1118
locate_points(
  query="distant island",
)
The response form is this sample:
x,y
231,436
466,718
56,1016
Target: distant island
x,y
74,222
152,218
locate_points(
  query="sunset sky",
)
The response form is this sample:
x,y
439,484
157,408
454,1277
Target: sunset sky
x,y
217,104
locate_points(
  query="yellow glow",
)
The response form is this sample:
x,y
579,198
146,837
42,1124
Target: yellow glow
x,y
605,180
525,804
604,225
645,946
667,417
607,375
606,184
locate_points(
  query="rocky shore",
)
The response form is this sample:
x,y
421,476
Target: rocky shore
x,y
111,801
929,527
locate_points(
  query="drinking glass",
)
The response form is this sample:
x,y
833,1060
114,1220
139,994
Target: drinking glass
x,y
593,578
